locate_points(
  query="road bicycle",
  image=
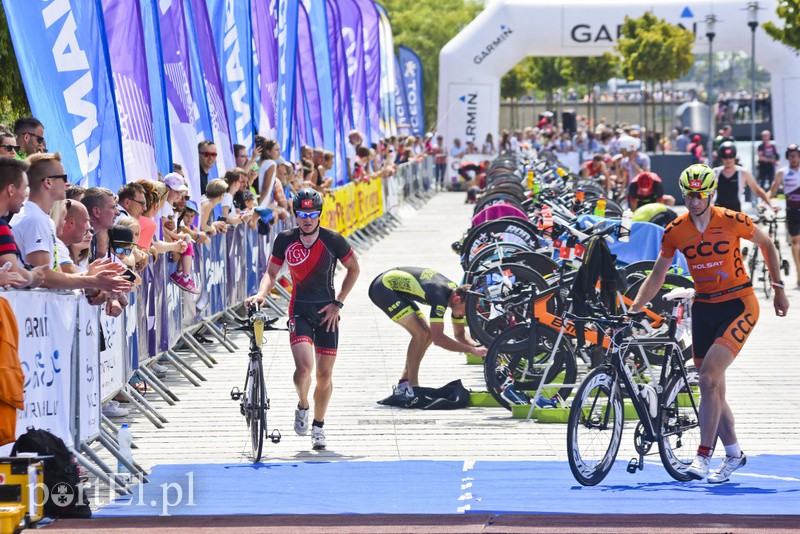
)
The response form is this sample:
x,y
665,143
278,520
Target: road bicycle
x,y
755,262
667,410
253,398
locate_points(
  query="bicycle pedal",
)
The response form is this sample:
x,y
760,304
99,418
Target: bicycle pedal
x,y
235,393
635,465
275,437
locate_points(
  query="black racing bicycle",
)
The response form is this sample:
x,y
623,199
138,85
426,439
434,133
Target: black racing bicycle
x,y
755,263
254,401
667,410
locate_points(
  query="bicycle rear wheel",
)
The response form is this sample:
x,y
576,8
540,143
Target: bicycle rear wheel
x,y
258,409
512,359
594,428
679,426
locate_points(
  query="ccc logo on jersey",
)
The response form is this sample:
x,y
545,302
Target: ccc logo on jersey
x,y
297,254
743,328
707,249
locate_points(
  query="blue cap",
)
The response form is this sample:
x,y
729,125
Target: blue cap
x,y
192,205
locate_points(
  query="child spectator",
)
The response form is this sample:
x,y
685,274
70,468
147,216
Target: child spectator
x,y
215,190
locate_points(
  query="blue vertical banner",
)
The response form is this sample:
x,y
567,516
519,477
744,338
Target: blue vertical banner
x,y
265,37
353,41
158,91
287,54
342,110
126,52
318,20
231,26
62,55
370,25
388,73
180,100
202,117
206,76
411,68
307,70
255,87
401,107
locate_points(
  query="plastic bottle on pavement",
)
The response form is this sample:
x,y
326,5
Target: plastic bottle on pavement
x,y
625,227
125,440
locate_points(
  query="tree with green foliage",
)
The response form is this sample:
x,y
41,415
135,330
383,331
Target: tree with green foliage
x,y
654,50
517,82
589,71
547,75
789,11
425,26
13,100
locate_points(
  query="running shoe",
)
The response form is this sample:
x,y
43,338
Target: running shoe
x,y
301,421
729,465
318,439
699,468
113,409
513,396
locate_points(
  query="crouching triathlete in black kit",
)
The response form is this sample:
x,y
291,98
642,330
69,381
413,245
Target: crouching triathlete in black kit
x,y
311,253
397,291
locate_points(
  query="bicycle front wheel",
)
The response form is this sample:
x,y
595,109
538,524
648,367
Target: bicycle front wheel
x,y
679,426
594,428
258,409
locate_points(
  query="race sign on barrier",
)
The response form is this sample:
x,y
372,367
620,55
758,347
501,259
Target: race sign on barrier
x,y
88,364
47,323
353,206
236,266
112,358
214,259
171,311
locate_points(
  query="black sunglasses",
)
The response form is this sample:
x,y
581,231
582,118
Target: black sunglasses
x,y
39,138
59,177
9,148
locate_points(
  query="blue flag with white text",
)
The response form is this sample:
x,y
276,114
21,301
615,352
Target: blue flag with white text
x,y
287,53
158,91
231,25
411,69
63,59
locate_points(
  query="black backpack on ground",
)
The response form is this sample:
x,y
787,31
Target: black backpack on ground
x,y
448,397
60,474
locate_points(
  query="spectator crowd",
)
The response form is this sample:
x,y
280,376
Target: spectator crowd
x,y
57,234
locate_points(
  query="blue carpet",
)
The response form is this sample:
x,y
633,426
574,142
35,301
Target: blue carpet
x,y
767,485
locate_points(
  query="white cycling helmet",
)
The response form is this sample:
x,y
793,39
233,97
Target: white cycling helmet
x,y
628,143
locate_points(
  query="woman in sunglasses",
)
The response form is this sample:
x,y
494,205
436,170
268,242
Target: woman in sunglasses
x,y
311,253
725,308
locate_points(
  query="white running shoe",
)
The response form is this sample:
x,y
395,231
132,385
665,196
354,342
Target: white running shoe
x,y
318,438
699,468
729,465
113,409
301,421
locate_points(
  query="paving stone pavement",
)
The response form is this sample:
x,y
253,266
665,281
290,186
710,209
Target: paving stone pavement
x,y
205,426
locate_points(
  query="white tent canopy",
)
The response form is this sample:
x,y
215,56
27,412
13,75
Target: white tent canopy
x,y
507,31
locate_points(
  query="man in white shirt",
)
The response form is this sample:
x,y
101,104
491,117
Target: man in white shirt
x,y
35,232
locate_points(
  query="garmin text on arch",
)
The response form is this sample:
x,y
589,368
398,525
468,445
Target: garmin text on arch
x,y
505,31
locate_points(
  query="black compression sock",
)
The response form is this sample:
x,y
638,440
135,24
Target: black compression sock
x,y
318,424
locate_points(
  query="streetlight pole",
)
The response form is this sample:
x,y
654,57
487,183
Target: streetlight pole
x,y
752,21
711,21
